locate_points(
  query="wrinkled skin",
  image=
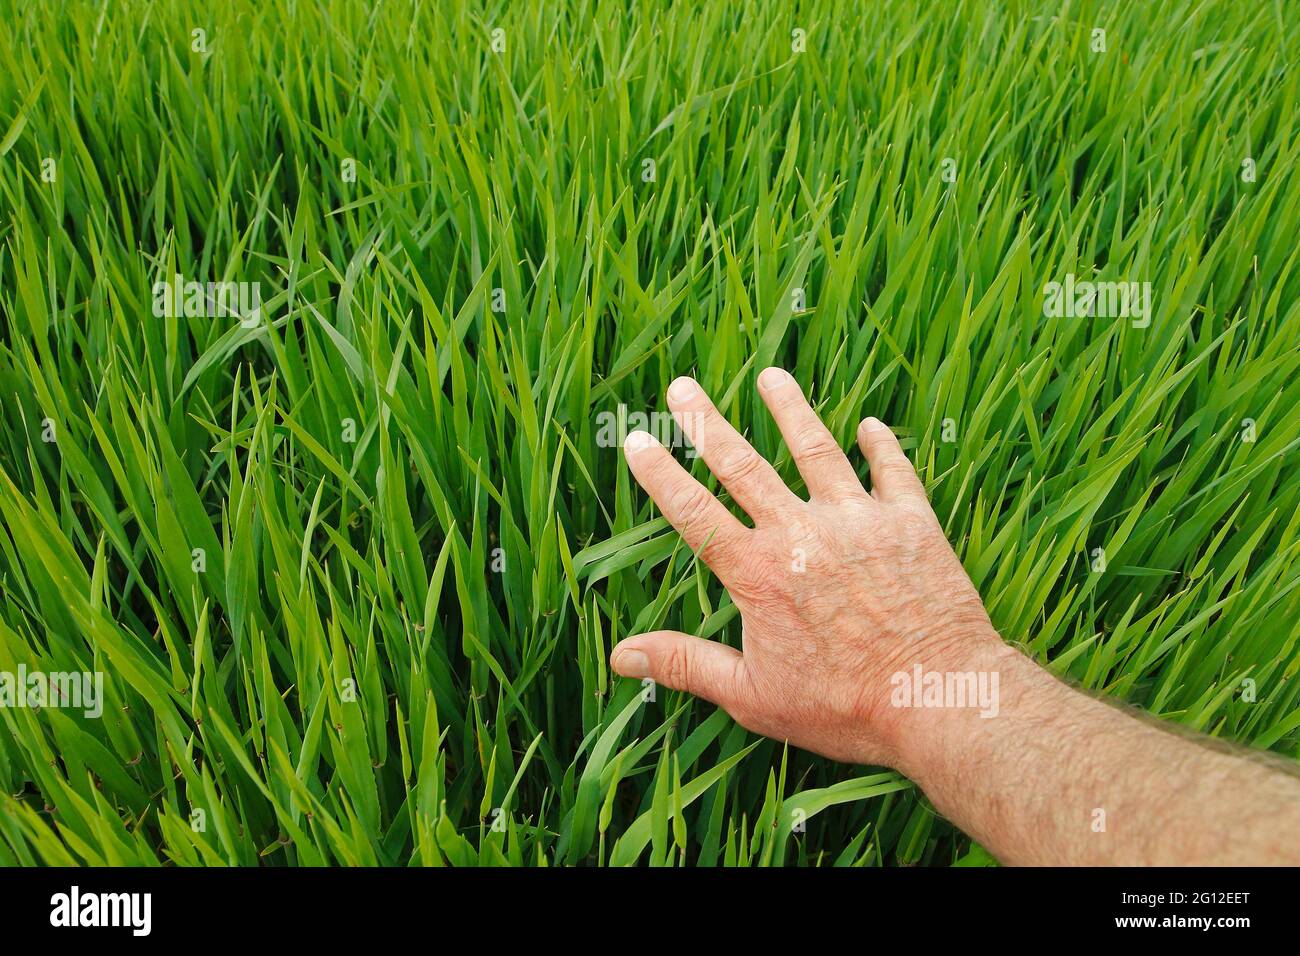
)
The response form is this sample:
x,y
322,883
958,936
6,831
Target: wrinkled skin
x,y
836,594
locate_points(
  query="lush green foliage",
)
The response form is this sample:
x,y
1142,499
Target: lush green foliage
x,y
466,558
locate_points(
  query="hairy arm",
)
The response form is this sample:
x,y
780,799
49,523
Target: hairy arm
x,y
1060,777
865,641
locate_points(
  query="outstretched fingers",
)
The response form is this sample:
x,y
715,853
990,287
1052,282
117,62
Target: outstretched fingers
x,y
710,530
752,481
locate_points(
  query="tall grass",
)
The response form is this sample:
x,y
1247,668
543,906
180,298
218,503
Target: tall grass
x,y
352,573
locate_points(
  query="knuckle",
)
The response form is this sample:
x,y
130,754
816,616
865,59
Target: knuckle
x,y
898,469
801,530
917,505
917,492
677,668
881,440
692,506
813,441
736,463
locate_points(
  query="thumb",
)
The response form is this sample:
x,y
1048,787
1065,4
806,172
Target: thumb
x,y
706,669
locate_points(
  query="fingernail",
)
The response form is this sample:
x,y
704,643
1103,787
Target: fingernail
x,y
872,425
682,388
632,663
637,440
773,377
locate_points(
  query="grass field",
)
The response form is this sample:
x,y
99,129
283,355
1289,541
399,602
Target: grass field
x,y
351,563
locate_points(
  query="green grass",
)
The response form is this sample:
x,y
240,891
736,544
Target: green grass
x,y
371,564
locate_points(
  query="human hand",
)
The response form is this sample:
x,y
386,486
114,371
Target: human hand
x,y
836,594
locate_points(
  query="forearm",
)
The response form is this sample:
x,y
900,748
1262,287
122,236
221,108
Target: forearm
x,y
1058,777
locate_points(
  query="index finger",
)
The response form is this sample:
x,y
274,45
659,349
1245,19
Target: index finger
x,y
708,528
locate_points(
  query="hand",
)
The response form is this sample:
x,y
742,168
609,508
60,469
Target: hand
x,y
836,594
841,594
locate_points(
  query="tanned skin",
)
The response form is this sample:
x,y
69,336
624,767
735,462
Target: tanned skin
x,y
843,593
